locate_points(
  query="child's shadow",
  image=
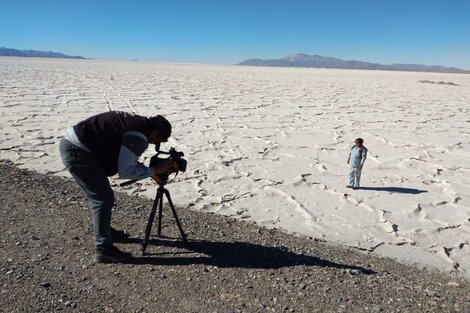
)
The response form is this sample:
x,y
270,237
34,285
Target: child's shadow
x,y
395,189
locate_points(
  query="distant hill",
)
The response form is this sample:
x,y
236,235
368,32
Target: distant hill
x,y
35,54
317,61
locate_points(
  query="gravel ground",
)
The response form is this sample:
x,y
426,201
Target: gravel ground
x,y
227,266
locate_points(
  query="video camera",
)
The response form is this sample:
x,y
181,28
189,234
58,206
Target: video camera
x,y
177,164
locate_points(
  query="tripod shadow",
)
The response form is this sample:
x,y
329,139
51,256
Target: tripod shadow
x,y
236,254
395,189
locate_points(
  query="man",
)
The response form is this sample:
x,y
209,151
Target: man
x,y
357,157
104,145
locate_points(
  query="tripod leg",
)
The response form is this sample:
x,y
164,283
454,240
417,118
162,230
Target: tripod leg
x,y
148,229
160,213
183,235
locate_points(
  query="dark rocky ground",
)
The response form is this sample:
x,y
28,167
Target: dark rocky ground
x,y
46,263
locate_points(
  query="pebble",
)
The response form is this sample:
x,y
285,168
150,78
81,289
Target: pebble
x,y
377,308
354,271
431,293
453,284
343,298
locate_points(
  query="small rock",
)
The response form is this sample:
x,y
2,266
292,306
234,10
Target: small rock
x,y
354,271
377,308
453,284
67,303
431,293
343,298
45,285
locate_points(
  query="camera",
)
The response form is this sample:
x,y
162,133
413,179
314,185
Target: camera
x,y
177,164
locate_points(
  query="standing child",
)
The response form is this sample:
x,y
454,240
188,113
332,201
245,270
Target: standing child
x,y
357,157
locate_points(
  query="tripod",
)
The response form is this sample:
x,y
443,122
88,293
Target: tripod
x,y
159,203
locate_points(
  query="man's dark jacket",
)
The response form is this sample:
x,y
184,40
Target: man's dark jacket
x,y
103,134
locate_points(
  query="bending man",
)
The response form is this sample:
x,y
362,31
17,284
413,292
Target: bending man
x,y
104,145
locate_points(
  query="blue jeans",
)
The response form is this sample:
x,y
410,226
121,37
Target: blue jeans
x,y
94,183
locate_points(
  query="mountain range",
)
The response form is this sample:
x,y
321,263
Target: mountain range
x,y
296,60
35,54
317,61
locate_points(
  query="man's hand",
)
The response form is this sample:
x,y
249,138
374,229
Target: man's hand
x,y
360,167
163,166
347,162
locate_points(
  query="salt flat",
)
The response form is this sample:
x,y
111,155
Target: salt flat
x,y
270,144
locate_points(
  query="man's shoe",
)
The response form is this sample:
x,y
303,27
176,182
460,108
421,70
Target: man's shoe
x,y
111,254
355,188
119,235
349,186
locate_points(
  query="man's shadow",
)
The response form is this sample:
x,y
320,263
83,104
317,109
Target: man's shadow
x,y
233,254
395,189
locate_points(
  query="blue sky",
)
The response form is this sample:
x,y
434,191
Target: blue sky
x,y
226,32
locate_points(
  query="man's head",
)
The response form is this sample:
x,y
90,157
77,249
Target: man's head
x,y
358,142
160,130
